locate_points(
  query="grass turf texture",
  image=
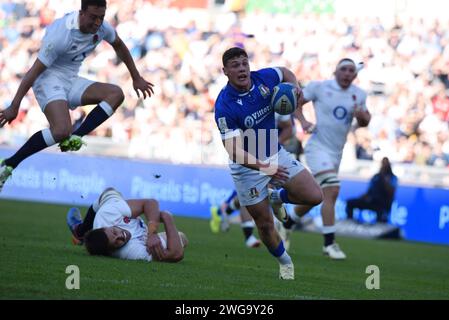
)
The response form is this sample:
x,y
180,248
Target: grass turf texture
x,y
35,249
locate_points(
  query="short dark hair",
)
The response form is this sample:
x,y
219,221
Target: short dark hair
x,y
95,3
97,243
233,53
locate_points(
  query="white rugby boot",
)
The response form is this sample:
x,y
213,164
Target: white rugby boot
x,y
334,252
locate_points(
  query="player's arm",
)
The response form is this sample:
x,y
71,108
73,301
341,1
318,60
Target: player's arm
x,y
234,147
139,83
10,113
150,209
361,112
307,126
363,117
286,128
175,250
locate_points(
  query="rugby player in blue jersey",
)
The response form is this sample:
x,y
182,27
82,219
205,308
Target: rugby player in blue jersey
x,y
245,118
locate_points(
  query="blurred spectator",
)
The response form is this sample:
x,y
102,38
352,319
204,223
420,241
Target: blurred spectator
x,y
406,73
379,196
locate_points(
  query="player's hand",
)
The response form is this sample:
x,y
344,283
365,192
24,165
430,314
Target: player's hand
x,y
154,246
140,84
8,115
300,97
307,126
279,174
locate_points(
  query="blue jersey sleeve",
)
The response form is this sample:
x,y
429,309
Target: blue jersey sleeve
x,y
271,76
225,121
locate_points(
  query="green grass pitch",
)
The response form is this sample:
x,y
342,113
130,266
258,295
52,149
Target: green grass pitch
x,y
35,249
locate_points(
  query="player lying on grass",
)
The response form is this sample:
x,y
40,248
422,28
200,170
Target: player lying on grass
x,y
113,227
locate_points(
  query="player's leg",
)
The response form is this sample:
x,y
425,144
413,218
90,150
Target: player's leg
x,y
58,116
252,192
219,219
77,225
107,97
263,218
247,224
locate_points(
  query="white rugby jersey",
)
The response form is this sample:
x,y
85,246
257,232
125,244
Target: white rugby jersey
x,y
334,110
116,212
64,47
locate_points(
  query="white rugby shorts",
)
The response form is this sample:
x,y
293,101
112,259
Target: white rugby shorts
x,y
49,87
251,185
319,160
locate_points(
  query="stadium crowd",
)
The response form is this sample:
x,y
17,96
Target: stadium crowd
x,y
406,75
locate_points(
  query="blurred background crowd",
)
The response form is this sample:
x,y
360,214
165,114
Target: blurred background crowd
x,y
179,50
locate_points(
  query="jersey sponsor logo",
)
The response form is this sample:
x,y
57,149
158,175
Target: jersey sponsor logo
x,y
257,117
222,124
249,122
264,91
340,112
79,57
253,193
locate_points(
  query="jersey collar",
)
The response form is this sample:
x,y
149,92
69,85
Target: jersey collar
x,y
73,20
336,86
235,92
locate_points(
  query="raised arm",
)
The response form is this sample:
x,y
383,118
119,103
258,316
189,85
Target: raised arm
x,y
10,113
139,83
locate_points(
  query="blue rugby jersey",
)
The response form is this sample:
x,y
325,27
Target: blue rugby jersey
x,y
250,113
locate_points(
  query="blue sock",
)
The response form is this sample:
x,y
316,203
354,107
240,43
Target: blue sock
x,y
34,144
281,254
279,251
283,194
228,200
96,117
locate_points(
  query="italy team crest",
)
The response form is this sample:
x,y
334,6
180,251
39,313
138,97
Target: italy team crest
x,y
264,91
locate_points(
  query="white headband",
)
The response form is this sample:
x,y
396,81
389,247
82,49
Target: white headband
x,y
346,63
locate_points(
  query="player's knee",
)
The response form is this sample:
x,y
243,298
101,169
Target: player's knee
x,y
316,197
116,94
60,133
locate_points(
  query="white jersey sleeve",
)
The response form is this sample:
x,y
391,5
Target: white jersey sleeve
x,y
53,44
109,32
363,100
111,213
310,92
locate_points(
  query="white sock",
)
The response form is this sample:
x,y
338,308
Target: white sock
x,y
328,229
276,197
294,216
285,258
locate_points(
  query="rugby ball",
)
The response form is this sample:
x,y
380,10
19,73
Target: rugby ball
x,y
284,98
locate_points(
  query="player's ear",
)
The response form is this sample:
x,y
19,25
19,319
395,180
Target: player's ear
x,y
224,71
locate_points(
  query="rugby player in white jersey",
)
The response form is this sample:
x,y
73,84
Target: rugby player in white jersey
x,y
58,88
113,227
336,102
